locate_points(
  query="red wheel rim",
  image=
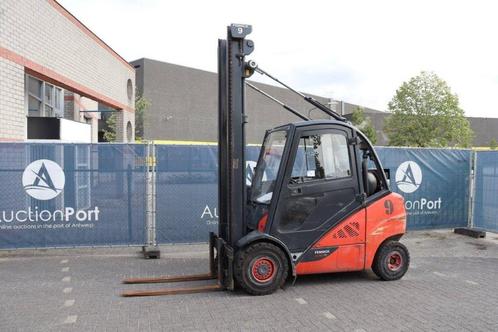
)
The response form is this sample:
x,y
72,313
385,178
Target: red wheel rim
x,y
263,269
394,261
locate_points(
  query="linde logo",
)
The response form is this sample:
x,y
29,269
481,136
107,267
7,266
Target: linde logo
x,y
408,179
43,179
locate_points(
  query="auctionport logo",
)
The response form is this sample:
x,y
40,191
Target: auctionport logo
x,y
408,177
408,180
43,179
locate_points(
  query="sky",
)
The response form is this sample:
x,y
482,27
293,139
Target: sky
x,y
356,51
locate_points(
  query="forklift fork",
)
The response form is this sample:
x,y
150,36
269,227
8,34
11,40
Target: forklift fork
x,y
218,271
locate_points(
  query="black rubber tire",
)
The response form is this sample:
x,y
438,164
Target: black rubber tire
x,y
381,262
248,255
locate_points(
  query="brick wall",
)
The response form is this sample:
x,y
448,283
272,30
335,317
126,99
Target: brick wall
x,y
122,131
47,41
12,114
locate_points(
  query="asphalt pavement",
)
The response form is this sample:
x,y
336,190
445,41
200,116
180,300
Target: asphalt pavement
x,y
452,285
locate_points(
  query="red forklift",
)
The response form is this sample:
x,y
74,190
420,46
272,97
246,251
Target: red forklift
x,y
319,201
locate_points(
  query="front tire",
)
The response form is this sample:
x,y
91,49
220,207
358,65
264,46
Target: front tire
x,y
261,268
391,261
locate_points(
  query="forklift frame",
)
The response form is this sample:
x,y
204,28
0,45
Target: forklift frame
x,y
233,223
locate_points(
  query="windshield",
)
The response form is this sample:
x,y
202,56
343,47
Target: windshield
x,y
267,168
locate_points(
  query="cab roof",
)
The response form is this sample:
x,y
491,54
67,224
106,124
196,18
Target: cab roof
x,y
299,124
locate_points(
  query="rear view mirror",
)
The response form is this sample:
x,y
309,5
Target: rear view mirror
x,y
387,172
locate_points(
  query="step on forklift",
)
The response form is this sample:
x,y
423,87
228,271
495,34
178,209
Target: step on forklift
x,y
319,201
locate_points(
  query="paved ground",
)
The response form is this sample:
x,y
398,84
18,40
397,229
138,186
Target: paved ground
x,y
452,286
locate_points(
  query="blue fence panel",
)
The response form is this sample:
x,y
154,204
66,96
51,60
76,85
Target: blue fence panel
x,y
65,195
434,183
486,191
187,192
57,195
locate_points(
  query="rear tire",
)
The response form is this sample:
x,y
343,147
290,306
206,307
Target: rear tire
x,y
391,261
261,268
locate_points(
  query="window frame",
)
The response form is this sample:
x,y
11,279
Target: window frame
x,y
58,110
320,132
260,174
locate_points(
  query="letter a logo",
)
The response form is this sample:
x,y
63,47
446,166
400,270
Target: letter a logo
x,y
408,177
43,179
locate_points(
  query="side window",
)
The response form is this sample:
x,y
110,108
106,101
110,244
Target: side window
x,y
371,169
321,156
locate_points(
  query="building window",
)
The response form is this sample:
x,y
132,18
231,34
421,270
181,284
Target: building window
x,y
129,132
129,89
44,99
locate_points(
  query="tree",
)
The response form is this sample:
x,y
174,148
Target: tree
x,y
363,123
426,113
141,104
493,144
110,130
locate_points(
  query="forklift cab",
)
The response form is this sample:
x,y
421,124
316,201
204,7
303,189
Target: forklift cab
x,y
310,176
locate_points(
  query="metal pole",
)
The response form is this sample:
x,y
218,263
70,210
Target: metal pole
x,y
147,194
153,203
262,72
472,188
150,249
290,109
309,99
129,196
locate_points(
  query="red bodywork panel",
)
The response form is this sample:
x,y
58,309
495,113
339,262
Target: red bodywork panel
x,y
358,237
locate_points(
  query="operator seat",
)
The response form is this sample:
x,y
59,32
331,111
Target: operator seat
x,y
372,183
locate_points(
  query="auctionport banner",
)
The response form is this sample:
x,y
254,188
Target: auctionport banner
x,y
64,195
434,183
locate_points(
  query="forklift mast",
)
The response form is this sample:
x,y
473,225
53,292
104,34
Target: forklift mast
x,y
232,72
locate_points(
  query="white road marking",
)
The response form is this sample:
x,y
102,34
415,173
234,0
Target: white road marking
x,y
439,274
71,319
67,290
471,282
301,300
65,269
328,315
69,303
64,261
66,279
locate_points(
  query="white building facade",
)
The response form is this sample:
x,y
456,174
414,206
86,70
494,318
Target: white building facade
x,y
54,67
